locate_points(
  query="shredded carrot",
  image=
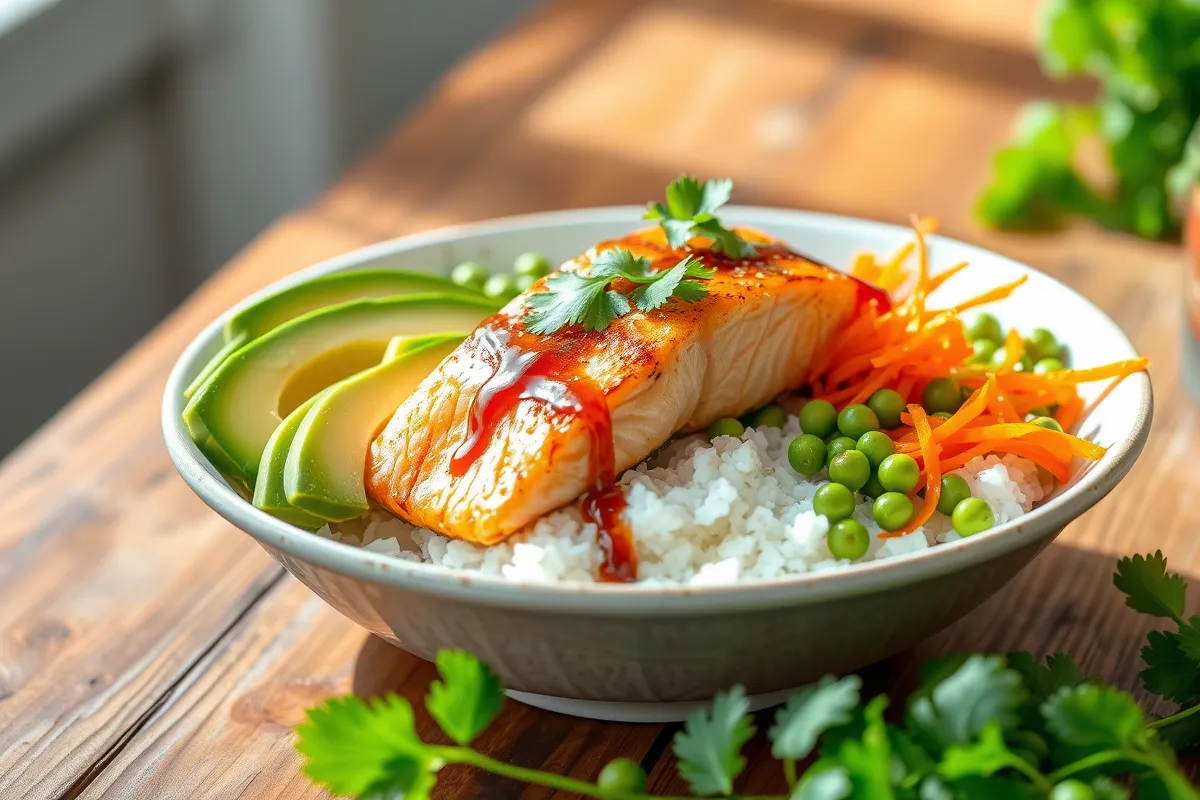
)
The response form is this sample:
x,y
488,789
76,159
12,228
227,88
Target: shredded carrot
x,y
1013,350
1068,413
990,296
961,459
1059,468
945,275
911,344
976,404
1035,433
933,472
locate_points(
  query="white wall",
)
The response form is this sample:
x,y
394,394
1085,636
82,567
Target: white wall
x,y
142,142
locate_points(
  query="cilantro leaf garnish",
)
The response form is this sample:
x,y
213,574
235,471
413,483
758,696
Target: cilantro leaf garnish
x,y
1189,638
1044,680
1170,672
1091,715
690,210
980,691
573,298
812,711
868,761
362,748
984,758
1149,588
709,747
467,698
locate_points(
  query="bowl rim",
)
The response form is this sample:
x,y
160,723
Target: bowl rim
x,y
279,537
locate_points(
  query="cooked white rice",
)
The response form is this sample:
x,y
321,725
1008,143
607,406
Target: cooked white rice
x,y
702,513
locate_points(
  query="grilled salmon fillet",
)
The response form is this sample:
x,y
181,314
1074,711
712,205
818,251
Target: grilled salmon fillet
x,y
513,424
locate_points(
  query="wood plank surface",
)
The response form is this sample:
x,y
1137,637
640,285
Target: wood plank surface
x,y
150,650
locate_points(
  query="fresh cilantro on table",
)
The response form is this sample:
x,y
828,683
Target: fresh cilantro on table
x,y
978,727
579,298
690,210
1146,119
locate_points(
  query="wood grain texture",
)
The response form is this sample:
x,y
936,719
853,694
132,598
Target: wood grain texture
x,y
148,650
114,578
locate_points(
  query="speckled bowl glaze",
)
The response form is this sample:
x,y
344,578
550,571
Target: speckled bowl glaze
x,y
649,654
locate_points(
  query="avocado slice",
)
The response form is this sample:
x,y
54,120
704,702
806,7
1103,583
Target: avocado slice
x,y
233,413
324,471
269,494
333,289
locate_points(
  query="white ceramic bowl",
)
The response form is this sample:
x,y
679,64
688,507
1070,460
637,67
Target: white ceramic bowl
x,y
636,653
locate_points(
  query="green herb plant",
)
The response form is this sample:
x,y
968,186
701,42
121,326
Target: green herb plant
x,y
979,727
587,298
1145,55
690,210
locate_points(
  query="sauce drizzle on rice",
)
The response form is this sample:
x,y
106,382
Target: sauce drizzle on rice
x,y
549,370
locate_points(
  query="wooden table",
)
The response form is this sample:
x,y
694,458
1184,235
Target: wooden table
x,y
148,649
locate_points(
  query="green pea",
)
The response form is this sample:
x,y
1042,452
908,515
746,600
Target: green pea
x,y
806,454
1042,344
726,426
622,776
985,326
1024,363
954,491
1071,789
892,510
523,282
770,416
876,446
941,394
942,414
887,405
873,487
1040,411
532,264
501,287
965,393
856,420
1044,365
851,469
848,539
1049,423
836,446
819,418
984,350
899,473
833,501
972,516
469,273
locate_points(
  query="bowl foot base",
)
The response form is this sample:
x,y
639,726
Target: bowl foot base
x,y
610,711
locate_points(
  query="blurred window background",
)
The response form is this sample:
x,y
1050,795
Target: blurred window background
x,y
143,142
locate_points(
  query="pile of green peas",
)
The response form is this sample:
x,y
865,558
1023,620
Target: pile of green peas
x,y
860,458
1041,351
527,268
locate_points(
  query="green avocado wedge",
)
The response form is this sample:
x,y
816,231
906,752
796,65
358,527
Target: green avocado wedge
x,y
233,413
325,469
269,494
333,289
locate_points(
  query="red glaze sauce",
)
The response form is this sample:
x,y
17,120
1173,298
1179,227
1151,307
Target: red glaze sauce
x,y
553,378
549,369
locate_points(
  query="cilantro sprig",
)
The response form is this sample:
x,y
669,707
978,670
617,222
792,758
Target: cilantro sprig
x,y
588,299
978,727
1145,120
690,211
